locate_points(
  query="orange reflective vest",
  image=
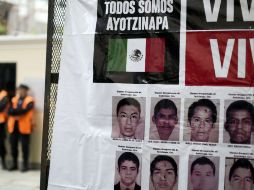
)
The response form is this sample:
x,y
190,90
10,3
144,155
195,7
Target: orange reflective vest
x,y
25,122
3,114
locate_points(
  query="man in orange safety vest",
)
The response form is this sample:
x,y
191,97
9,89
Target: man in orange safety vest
x,y
20,124
3,120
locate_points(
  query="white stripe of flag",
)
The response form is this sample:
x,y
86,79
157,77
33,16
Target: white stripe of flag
x,y
133,65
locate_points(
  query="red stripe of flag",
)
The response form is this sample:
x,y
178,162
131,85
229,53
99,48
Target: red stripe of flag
x,y
155,54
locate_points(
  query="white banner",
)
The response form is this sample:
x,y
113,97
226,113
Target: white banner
x,y
183,122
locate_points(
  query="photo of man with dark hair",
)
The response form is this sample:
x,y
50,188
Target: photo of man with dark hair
x,y
128,118
240,122
165,119
202,116
128,169
241,175
163,171
202,175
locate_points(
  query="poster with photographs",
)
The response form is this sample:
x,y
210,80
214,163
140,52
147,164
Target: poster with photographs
x,y
155,95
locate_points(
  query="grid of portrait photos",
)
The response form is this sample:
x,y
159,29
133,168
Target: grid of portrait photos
x,y
200,139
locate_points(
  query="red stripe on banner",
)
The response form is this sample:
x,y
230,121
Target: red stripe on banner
x,y
155,55
201,67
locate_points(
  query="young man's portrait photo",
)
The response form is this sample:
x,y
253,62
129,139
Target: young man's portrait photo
x,y
165,114
127,174
163,172
239,122
203,173
201,120
128,118
239,174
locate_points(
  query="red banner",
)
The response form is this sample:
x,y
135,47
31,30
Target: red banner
x,y
220,58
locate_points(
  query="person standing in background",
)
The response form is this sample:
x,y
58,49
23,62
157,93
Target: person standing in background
x,y
20,124
3,119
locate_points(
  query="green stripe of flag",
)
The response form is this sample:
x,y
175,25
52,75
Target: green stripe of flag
x,y
117,55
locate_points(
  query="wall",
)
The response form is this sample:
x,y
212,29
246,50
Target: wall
x,y
29,53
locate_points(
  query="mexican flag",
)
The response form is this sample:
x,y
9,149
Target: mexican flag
x,y
136,55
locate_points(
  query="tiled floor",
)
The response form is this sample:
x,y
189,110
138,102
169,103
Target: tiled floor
x,y
16,180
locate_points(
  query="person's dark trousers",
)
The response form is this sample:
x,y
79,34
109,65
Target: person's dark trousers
x,y
2,145
25,139
14,139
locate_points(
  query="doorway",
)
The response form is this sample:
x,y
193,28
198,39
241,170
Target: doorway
x,y
8,78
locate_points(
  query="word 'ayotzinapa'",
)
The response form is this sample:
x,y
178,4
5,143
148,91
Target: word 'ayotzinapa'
x,y
137,23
